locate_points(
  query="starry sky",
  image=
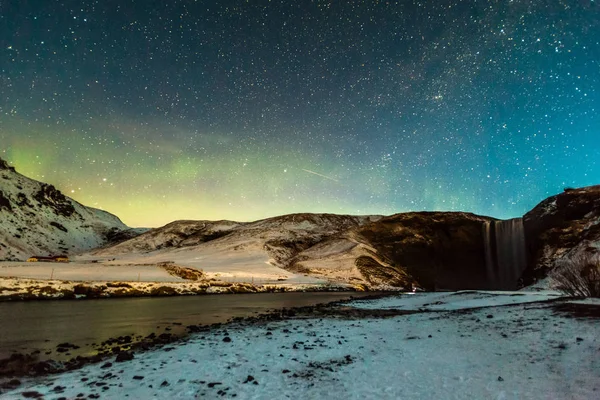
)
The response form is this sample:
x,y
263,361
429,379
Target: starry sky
x,y
243,109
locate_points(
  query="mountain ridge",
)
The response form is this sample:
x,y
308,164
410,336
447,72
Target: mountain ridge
x,y
37,219
427,249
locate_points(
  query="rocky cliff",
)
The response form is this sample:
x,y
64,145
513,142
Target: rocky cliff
x,y
562,227
438,250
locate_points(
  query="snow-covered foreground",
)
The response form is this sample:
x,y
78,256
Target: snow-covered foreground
x,y
465,345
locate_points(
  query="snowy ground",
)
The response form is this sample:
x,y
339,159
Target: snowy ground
x,y
465,345
86,272
145,269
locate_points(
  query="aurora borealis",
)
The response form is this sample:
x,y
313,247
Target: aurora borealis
x,y
165,110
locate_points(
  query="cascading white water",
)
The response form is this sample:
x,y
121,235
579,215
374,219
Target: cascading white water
x,y
505,252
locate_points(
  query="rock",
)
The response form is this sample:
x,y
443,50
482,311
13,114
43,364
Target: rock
x,y
500,379
10,385
124,356
164,384
92,292
44,367
213,384
227,339
138,377
165,338
32,394
163,291
106,365
250,378
66,346
489,316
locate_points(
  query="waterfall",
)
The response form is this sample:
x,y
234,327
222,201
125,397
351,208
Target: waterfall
x,y
505,252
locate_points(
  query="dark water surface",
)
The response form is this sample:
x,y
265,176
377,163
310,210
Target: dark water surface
x,y
41,325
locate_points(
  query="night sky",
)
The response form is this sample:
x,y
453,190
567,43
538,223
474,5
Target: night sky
x,y
165,110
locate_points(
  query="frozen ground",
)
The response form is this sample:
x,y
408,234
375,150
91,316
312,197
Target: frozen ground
x,y
465,345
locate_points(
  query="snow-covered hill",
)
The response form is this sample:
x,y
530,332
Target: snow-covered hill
x,y
372,252
174,234
37,219
263,250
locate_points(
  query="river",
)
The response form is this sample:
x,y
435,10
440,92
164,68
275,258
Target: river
x,y
41,325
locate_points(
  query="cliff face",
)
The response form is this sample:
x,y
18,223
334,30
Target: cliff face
x,y
438,250
36,218
561,227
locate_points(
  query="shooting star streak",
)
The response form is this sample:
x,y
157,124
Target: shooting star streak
x,y
321,175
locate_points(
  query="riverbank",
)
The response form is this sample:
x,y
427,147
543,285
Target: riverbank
x,y
94,280
429,345
39,338
15,289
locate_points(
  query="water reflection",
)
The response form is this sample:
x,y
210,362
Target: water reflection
x,y
40,325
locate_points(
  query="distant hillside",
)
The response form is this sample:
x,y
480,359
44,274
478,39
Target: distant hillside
x,y
430,250
260,249
36,218
425,249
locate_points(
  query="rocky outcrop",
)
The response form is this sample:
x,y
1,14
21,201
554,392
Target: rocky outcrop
x,y
5,202
49,196
561,227
5,166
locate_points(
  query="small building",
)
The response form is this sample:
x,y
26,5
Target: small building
x,y
61,258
